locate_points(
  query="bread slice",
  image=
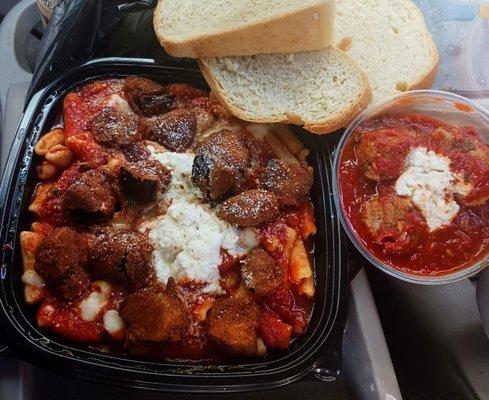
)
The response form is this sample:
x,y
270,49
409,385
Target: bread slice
x,y
322,90
389,39
216,28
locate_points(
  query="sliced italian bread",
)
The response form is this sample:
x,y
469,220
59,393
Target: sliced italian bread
x,y
215,28
322,90
389,39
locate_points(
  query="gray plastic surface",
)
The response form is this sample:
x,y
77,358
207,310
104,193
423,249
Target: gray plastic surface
x,y
483,298
366,360
14,70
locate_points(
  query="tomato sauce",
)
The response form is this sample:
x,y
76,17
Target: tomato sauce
x,y
284,313
446,249
286,303
52,212
64,318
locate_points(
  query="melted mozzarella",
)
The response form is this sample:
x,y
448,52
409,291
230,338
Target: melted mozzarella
x,y
248,239
431,186
31,277
118,103
91,306
112,321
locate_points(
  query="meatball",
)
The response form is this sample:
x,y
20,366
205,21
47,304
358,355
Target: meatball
x,y
115,127
233,325
141,182
289,181
92,196
60,260
153,315
261,273
394,223
147,97
251,208
382,153
219,163
469,159
123,257
174,130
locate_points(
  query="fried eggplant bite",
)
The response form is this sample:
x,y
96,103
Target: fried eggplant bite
x,y
290,182
115,127
147,97
61,259
91,197
141,182
233,325
174,130
219,163
251,208
121,256
155,315
261,273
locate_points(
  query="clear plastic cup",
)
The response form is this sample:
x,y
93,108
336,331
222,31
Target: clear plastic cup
x,y
448,107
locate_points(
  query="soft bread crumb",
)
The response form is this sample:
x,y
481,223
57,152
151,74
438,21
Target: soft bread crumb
x,y
322,88
389,39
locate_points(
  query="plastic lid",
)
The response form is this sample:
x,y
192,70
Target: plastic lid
x,y
475,50
461,31
484,11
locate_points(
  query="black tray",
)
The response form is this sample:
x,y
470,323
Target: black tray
x,y
318,348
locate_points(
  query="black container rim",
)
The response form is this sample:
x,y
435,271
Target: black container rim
x,y
34,346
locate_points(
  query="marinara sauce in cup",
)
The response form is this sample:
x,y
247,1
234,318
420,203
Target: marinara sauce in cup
x,y
411,183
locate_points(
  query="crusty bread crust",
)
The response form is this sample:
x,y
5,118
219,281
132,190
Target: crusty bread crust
x,y
308,29
325,125
426,82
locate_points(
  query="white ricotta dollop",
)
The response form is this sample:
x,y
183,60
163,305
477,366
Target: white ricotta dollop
x,y
181,187
187,243
431,186
188,238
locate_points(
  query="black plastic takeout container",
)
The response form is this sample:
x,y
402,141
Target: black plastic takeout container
x,y
318,348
